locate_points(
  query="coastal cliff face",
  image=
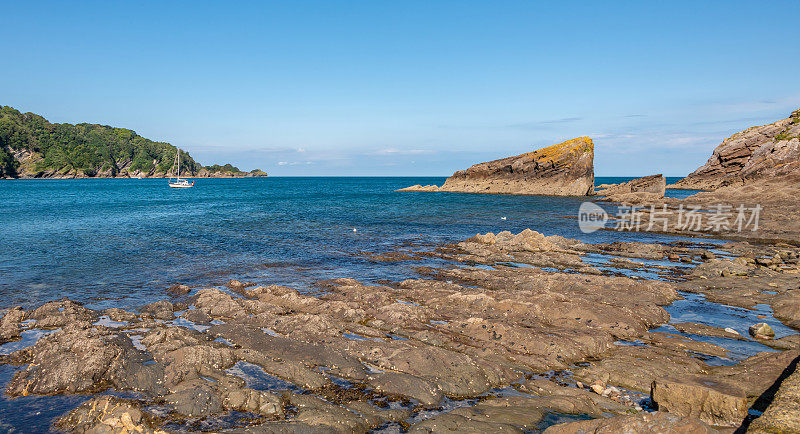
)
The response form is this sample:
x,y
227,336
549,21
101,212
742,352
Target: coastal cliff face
x,y
565,169
757,153
33,147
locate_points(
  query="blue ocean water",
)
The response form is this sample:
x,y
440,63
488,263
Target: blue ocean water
x,y
121,242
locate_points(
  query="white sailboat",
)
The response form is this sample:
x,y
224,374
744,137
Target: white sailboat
x,y
179,183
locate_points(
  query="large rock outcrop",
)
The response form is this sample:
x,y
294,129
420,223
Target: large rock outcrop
x,y
565,169
762,152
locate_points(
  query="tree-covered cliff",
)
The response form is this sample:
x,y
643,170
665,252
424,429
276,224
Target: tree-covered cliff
x,y
30,146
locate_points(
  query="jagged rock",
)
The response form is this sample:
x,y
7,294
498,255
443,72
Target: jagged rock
x,y
657,422
197,400
106,414
117,314
60,313
761,152
178,290
78,360
192,362
254,401
10,324
565,169
159,310
712,401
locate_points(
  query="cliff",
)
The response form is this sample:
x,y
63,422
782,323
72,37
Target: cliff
x,y
32,147
757,153
565,169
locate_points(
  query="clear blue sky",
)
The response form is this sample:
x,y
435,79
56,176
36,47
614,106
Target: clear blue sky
x,y
409,87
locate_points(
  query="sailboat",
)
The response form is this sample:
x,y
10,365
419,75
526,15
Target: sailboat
x,y
179,183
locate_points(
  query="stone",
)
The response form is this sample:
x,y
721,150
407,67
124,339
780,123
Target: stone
x,y
197,400
159,310
565,169
254,401
77,360
707,398
656,422
106,414
178,290
60,313
761,330
10,324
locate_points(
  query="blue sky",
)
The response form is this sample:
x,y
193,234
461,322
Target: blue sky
x,y
409,87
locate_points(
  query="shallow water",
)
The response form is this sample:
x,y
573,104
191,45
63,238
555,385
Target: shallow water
x,y
121,242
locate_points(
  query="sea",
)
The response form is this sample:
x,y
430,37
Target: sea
x,y
122,242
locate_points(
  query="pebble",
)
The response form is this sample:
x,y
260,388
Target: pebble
x,y
730,330
761,330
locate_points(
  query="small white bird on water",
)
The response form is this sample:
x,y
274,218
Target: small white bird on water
x,y
355,230
504,218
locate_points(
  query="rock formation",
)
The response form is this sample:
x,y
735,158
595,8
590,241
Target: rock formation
x,y
647,188
565,169
763,152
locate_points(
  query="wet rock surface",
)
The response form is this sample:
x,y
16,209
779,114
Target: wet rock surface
x,y
514,333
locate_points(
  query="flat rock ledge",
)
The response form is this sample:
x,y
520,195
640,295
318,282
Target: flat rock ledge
x,y
648,188
565,169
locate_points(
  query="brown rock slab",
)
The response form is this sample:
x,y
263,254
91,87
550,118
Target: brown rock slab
x,y
707,398
657,422
783,414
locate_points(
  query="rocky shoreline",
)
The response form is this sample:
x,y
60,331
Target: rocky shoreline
x,y
512,333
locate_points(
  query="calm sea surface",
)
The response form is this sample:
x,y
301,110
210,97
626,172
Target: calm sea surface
x,y
122,242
